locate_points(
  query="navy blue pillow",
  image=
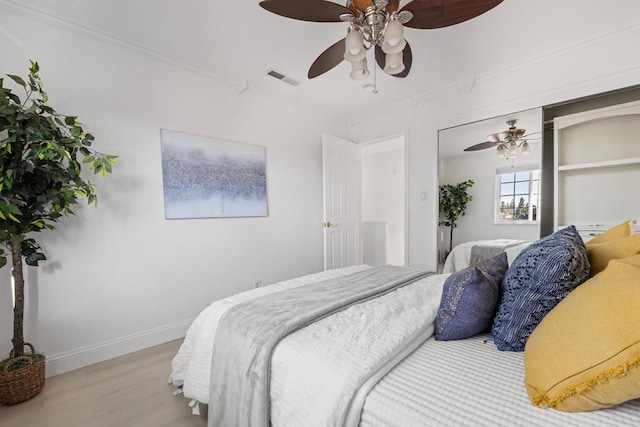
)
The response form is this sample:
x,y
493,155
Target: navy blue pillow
x,y
469,299
537,280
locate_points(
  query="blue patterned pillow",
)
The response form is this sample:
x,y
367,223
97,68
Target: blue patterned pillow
x,y
538,279
469,299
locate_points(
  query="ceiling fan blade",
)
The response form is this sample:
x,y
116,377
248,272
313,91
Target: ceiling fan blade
x,y
498,137
528,136
481,146
430,14
407,60
327,59
306,10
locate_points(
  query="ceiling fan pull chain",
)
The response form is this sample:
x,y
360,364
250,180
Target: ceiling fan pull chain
x,y
375,79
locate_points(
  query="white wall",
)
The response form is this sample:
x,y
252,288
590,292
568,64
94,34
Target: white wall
x,y
383,193
121,277
599,64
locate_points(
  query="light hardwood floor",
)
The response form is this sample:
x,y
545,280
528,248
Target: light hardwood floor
x,y
130,391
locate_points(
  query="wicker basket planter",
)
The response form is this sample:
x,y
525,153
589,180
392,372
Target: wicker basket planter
x,y
22,377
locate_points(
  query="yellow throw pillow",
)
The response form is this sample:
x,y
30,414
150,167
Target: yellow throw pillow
x,y
585,354
625,229
601,253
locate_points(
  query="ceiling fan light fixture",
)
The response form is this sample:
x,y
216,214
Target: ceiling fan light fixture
x,y
501,151
387,48
359,70
369,21
355,58
393,63
394,33
354,45
373,23
394,70
525,148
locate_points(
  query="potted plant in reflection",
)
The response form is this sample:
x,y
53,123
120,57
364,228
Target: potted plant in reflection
x,y
41,157
453,205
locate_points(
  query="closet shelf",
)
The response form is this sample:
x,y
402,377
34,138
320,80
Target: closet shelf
x,y
604,164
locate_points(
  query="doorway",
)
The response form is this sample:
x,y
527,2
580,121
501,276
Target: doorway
x,y
383,196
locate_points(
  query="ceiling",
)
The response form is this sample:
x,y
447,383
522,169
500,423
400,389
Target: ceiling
x,y
240,41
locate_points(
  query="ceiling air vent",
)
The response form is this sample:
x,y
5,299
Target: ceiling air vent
x,y
282,77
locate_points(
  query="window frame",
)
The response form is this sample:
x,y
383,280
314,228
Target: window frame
x,y
498,194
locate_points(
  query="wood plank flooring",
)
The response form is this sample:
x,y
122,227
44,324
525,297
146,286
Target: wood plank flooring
x,y
130,391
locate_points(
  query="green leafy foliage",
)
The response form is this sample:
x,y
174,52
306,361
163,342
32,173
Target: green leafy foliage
x,y
453,205
41,158
41,153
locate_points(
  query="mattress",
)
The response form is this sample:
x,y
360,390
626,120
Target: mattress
x,y
471,383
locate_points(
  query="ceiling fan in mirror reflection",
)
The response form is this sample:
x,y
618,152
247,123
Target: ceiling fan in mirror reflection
x,y
510,143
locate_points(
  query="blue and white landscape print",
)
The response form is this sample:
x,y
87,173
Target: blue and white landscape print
x,y
206,177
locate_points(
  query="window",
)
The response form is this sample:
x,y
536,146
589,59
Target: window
x,y
518,195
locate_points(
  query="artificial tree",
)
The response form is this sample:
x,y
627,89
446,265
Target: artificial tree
x,y
453,205
41,158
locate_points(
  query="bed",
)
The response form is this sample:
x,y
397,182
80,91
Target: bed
x,y
469,253
332,372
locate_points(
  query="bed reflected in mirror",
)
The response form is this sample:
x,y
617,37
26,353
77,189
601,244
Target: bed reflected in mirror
x,y
503,156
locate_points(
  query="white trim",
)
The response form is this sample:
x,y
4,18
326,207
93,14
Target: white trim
x,y
533,101
603,164
240,84
81,357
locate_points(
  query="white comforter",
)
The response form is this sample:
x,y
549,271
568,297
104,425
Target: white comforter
x,y
313,379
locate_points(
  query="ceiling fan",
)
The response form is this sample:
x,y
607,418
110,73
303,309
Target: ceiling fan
x,y
378,24
508,142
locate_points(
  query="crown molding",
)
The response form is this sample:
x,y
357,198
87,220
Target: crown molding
x,y
240,84
237,84
590,86
468,83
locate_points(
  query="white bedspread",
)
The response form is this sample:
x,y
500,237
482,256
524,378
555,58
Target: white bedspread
x,y
314,382
316,371
191,366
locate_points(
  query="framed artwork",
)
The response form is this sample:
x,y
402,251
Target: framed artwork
x,y
205,177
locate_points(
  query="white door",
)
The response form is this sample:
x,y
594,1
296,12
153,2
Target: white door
x,y
341,184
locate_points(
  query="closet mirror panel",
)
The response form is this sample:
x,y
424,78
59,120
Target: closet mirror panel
x,y
505,169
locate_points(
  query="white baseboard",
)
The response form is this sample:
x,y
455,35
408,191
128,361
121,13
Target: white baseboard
x,y
79,358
